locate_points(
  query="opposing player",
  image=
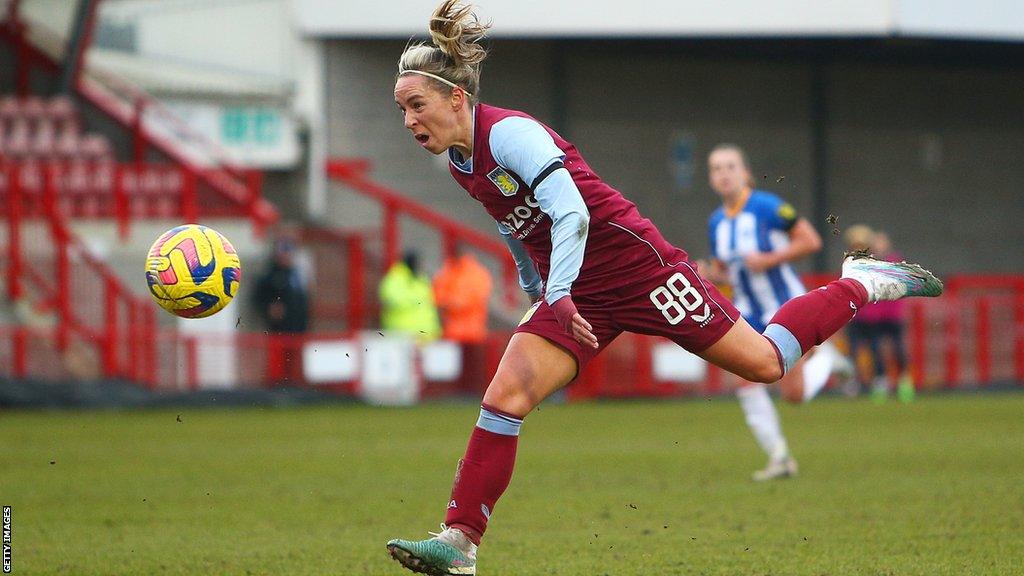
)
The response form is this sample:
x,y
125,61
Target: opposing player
x,y
594,264
754,237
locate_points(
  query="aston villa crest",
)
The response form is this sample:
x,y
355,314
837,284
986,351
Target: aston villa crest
x,y
505,182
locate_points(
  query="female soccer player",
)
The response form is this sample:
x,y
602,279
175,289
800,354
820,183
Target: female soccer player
x,y
754,236
595,266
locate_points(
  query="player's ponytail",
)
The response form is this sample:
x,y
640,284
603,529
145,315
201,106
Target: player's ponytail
x,y
456,54
457,32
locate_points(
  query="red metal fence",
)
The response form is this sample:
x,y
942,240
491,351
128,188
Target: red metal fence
x,y
974,336
353,175
108,190
73,306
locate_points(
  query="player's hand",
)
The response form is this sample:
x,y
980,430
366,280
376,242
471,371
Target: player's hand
x,y
759,262
571,321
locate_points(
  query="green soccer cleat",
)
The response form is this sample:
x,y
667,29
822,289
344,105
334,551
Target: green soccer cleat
x,y
905,390
890,280
449,552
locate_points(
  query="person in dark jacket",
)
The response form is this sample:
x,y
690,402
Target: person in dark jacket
x,y
280,296
282,301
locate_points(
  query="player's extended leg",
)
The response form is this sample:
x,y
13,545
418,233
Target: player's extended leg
x,y
808,320
801,324
531,369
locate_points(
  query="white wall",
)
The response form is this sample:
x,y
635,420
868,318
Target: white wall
x,y
252,36
55,15
607,17
995,19
980,19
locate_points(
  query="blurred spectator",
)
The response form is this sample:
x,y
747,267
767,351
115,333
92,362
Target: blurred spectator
x,y
462,289
877,323
280,295
407,300
281,299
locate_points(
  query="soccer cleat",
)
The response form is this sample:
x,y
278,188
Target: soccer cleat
x,y
449,552
777,468
889,280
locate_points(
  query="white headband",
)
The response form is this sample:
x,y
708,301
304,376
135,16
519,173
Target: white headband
x,y
436,77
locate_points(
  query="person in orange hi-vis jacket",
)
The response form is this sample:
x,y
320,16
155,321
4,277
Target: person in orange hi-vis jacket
x,y
461,289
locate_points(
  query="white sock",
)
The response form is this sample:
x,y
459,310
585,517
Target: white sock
x,y
818,369
763,420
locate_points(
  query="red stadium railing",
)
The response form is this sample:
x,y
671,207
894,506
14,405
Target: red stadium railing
x,y
59,283
353,175
201,161
70,309
340,294
109,190
987,312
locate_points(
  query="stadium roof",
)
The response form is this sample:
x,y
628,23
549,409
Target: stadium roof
x,y
164,77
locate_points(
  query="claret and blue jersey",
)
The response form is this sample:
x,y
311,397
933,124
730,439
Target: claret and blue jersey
x,y
573,234
565,227
762,225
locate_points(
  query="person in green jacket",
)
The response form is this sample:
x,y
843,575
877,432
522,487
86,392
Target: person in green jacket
x,y
407,300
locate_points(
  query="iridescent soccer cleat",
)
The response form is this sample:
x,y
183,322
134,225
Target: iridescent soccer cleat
x,y
449,552
890,280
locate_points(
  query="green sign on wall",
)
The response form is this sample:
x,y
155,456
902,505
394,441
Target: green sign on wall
x,y
247,126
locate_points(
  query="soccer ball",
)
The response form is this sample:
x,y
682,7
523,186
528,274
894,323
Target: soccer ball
x,y
192,271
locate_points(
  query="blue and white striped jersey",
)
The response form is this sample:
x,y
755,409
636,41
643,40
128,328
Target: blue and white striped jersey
x,y
762,225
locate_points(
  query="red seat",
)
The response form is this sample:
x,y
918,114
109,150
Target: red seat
x,y
95,147
43,140
17,141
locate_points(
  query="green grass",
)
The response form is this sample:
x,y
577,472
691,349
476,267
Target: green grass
x,y
935,487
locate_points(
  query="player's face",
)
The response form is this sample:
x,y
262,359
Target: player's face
x,y
429,114
727,173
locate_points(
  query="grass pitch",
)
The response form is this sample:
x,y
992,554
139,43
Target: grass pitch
x,y
930,488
